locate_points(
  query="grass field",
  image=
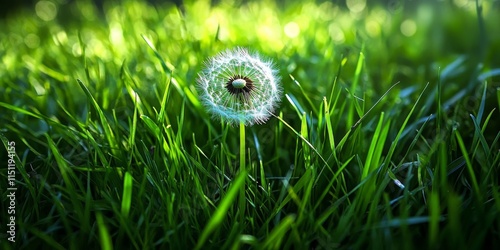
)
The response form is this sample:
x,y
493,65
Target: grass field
x,y
386,136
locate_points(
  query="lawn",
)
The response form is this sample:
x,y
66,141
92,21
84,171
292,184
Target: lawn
x,y
383,133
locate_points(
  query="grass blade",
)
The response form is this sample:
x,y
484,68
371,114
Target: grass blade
x,y
127,194
221,211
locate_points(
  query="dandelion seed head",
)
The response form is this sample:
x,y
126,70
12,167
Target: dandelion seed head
x,y
239,86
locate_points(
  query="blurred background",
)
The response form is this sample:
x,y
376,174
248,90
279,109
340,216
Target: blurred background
x,y
406,41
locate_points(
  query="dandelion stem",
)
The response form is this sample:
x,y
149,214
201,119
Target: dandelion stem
x,y
242,200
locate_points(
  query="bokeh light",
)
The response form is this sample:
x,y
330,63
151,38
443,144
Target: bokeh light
x,y
408,27
46,10
292,29
356,6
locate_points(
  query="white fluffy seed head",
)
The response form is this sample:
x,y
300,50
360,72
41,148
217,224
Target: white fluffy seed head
x,y
240,87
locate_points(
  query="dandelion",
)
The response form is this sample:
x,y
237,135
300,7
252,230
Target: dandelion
x,y
240,87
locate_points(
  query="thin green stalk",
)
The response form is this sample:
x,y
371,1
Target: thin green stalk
x,y
242,170
242,146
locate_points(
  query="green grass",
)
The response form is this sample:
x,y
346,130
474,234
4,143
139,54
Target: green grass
x,y
386,137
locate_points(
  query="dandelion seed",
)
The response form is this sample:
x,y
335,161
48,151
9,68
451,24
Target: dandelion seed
x,y
240,87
